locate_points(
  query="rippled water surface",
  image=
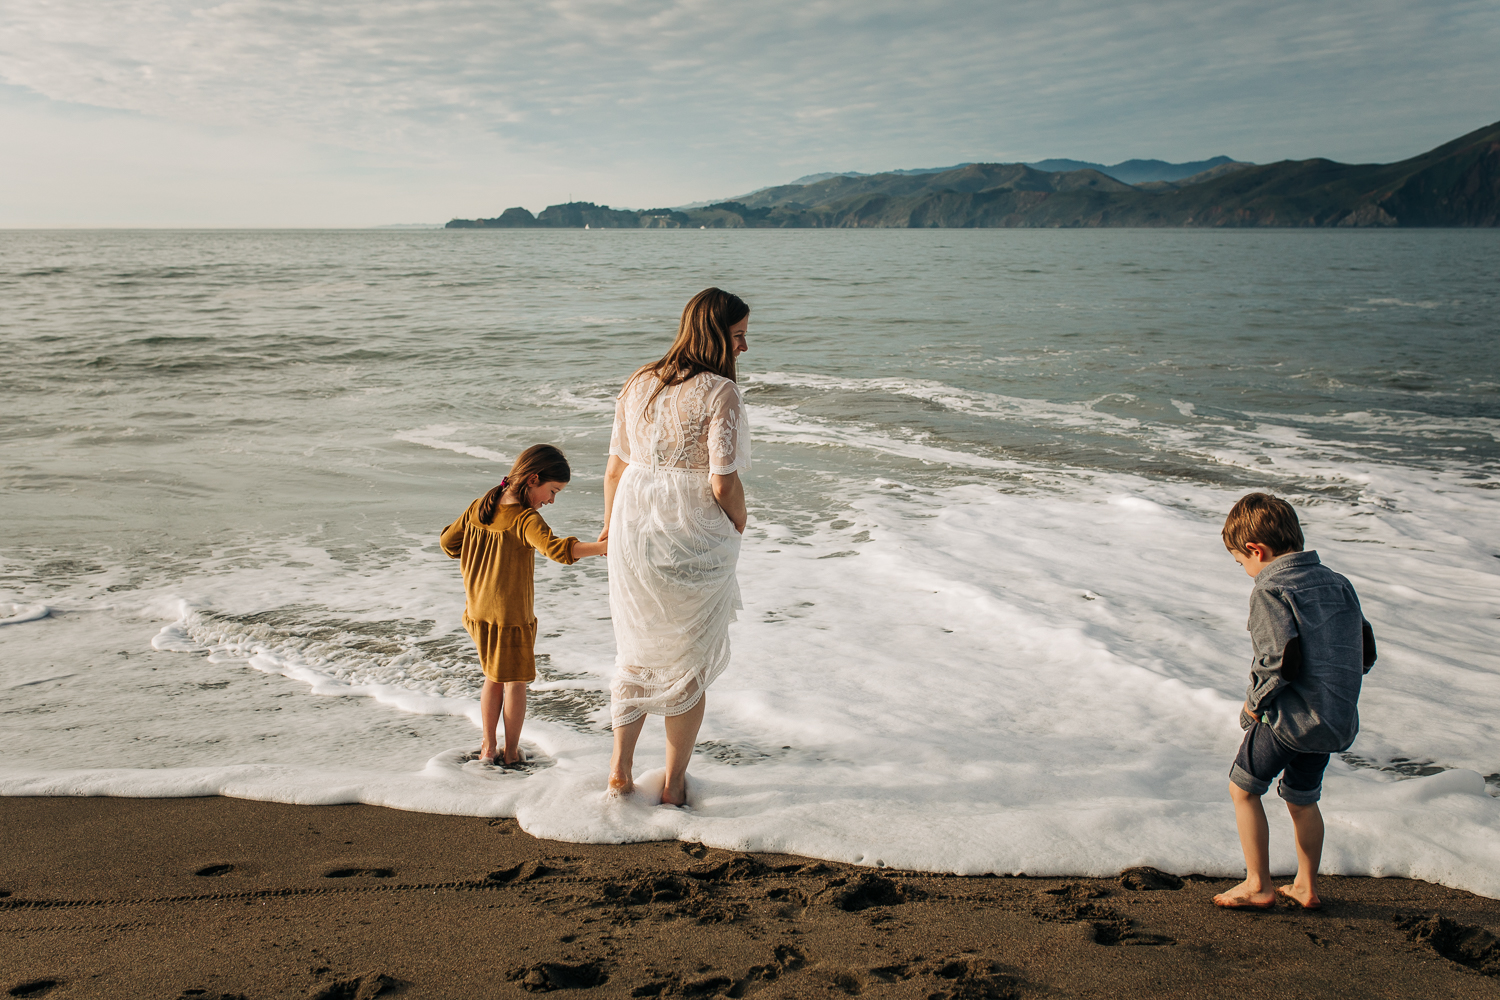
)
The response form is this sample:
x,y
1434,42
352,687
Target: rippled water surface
x,y
989,472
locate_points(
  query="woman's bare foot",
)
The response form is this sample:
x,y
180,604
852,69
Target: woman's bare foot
x,y
487,753
1244,897
674,795
512,757
1305,898
621,783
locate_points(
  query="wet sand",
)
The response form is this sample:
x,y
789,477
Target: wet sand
x,y
217,897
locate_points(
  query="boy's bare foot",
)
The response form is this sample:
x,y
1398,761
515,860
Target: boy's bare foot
x,y
1305,898
1243,897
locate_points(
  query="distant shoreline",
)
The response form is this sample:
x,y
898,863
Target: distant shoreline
x,y
1456,185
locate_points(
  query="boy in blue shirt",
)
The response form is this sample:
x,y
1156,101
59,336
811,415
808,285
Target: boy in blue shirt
x,y
1312,648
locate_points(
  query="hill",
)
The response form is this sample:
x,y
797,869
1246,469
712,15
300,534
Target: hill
x,y
1456,184
1138,171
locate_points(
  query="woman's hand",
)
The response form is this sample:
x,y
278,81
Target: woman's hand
x,y
729,494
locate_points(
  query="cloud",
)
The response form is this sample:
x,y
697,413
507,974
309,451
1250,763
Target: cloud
x,y
686,97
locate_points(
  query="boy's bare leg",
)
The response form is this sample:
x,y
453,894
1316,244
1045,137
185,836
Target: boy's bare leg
x,y
1256,892
514,711
491,697
682,733
1307,822
622,764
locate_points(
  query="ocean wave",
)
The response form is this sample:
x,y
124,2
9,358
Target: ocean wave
x,y
437,435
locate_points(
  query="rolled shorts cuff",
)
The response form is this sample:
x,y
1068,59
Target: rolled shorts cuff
x,y
1298,796
1250,783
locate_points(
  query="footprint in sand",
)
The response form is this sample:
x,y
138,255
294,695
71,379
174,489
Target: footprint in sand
x,y
360,873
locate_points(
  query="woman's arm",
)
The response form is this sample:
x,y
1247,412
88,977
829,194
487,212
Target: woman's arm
x,y
612,473
729,493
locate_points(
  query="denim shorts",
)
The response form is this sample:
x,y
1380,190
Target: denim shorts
x,y
1262,757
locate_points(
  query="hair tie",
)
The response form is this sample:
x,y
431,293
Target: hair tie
x,y
503,484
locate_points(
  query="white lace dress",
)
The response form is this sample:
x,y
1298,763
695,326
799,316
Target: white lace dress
x,y
672,550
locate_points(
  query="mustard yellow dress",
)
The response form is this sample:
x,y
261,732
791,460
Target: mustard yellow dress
x,y
498,562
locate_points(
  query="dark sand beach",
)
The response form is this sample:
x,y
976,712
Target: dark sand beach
x,y
216,897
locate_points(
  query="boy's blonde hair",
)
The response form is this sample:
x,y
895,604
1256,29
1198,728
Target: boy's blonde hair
x,y
1267,520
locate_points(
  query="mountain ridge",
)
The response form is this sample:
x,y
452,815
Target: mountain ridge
x,y
1454,184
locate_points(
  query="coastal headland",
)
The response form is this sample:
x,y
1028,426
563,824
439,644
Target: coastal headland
x,y
1456,184
225,898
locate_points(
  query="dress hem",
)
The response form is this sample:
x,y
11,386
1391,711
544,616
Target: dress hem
x,y
637,714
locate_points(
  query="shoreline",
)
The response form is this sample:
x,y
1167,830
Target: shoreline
x,y
108,897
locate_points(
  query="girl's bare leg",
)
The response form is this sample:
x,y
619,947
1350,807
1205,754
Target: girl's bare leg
x,y
515,716
622,764
682,733
491,697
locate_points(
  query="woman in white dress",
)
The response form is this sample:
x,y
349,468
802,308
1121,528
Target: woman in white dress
x,y
674,510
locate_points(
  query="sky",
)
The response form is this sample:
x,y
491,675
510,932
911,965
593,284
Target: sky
x,y
210,113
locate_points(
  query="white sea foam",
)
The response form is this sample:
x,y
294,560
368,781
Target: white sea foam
x,y
1276,444
987,404
14,614
1398,422
781,426
438,435
1023,681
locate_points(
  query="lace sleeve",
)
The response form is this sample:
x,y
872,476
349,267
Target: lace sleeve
x,y
728,431
619,437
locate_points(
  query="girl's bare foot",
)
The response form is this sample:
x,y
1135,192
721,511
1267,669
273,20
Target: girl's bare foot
x,y
1305,898
1245,897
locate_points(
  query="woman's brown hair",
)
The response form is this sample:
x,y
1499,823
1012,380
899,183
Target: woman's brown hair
x,y
704,343
545,462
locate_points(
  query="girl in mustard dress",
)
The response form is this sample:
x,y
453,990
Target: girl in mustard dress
x,y
496,541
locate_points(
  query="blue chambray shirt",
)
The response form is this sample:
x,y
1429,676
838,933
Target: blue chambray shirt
x,y
1311,708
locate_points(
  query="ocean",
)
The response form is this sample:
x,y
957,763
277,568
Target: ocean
x,y
989,624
